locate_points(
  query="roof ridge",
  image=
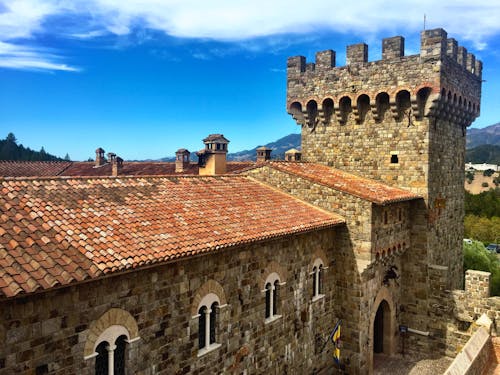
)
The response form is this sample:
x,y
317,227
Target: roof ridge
x,y
345,174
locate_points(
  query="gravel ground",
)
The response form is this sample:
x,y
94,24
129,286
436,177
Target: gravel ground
x,y
397,365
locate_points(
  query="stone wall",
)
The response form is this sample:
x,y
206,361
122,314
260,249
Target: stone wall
x,y
368,247
47,332
400,120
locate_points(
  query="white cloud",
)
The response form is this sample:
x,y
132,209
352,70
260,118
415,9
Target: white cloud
x,y
233,20
13,56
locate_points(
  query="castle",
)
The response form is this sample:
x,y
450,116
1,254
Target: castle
x,y
248,269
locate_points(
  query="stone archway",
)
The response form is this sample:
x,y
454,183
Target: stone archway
x,y
382,331
381,325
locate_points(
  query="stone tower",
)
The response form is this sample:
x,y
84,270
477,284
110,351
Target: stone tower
x,y
401,120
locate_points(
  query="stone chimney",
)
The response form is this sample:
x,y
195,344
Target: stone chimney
x,y
111,157
263,154
99,157
212,159
116,165
293,155
182,160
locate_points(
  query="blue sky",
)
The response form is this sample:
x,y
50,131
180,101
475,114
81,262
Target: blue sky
x,y
144,78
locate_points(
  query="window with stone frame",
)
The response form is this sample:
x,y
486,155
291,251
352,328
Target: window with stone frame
x,y
317,275
207,323
271,291
111,352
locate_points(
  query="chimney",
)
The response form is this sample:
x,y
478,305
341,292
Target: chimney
x,y
182,160
212,159
116,165
263,154
293,155
99,157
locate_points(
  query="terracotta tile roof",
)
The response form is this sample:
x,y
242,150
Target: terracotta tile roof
x,y
55,231
46,169
364,188
10,168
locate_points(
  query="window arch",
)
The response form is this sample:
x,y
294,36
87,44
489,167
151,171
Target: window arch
x,y
110,351
108,340
271,289
207,322
317,276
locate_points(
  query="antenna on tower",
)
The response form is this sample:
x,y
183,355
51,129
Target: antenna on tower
x,y
424,21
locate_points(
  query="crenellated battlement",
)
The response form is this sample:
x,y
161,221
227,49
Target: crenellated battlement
x,y
442,81
434,44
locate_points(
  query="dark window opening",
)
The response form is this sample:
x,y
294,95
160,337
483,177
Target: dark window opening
x,y
201,327
268,300
314,281
394,159
213,320
119,355
101,361
320,281
275,298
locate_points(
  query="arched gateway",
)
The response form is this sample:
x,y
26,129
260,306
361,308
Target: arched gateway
x,y
382,326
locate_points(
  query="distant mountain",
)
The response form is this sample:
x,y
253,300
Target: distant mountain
x,y
10,150
489,154
279,147
489,135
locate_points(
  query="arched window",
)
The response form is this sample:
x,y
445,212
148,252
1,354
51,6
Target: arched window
x,y
110,351
207,323
271,290
317,279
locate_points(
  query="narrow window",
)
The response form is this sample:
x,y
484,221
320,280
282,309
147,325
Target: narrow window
x,y
202,323
315,284
101,361
275,297
213,321
385,217
119,355
268,300
320,279
394,159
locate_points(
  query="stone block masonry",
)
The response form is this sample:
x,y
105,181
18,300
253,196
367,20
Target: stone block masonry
x,y
401,120
48,332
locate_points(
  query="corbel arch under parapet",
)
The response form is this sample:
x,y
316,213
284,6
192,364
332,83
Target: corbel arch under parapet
x,y
211,286
327,109
112,320
295,110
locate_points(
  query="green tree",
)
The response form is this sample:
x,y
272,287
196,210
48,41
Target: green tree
x,y
488,172
476,257
66,157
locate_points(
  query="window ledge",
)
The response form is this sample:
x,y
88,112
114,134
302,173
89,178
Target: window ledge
x,y
208,349
318,297
272,319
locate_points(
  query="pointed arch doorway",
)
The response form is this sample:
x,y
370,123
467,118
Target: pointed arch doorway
x,y
381,329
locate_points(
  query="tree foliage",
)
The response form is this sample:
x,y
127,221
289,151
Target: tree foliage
x,y
485,204
476,257
10,150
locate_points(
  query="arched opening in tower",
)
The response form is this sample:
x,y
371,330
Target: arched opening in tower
x,y
381,328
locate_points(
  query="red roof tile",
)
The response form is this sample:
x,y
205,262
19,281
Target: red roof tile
x,y
364,188
46,169
71,229
9,168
